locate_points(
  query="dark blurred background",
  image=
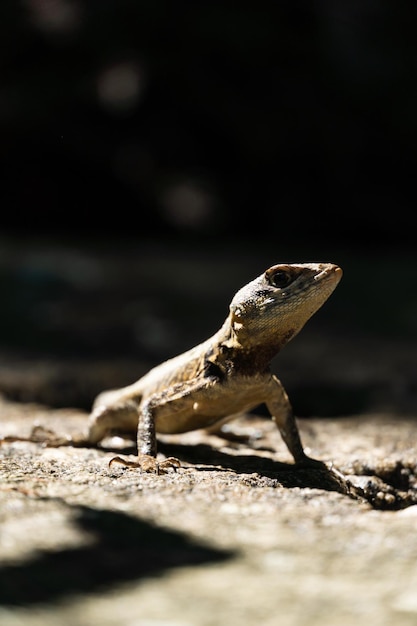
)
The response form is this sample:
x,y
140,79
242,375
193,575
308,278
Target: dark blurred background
x,y
155,156
212,118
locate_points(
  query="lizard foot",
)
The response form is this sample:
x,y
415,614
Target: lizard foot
x,y
149,463
47,437
307,462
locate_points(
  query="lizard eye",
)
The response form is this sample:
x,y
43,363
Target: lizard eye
x,y
279,279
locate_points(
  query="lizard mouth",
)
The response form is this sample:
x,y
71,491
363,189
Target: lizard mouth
x,y
330,271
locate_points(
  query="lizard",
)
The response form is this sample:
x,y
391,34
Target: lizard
x,y
227,374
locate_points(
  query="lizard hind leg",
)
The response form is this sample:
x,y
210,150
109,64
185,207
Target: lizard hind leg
x,y
49,438
103,421
112,419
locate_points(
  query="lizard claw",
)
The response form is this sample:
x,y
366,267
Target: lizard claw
x,y
149,463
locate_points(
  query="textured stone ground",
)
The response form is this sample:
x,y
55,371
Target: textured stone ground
x,y
237,535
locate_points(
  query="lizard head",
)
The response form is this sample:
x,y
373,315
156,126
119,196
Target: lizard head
x,y
274,307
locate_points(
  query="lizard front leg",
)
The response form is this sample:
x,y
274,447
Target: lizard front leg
x,y
280,408
147,447
176,408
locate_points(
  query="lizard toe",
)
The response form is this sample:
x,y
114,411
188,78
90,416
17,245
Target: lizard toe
x,y
149,463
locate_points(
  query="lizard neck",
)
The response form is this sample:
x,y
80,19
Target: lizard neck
x,y
239,352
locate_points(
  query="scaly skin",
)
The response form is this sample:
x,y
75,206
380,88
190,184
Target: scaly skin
x,y
227,374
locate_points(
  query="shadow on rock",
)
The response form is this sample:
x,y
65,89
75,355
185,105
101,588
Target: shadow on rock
x,y
123,548
380,488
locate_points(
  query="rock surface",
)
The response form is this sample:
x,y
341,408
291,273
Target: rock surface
x,y
237,535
